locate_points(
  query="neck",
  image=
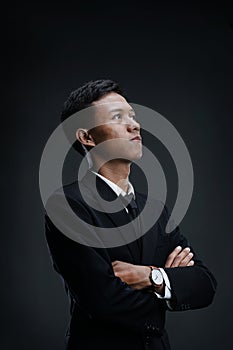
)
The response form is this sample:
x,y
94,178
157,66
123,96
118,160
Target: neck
x,y
117,172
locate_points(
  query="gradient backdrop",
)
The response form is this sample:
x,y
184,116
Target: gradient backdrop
x,y
174,59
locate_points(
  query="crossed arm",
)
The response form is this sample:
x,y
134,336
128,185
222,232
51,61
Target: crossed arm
x,y
137,276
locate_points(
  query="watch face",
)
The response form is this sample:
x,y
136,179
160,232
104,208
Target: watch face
x,y
157,277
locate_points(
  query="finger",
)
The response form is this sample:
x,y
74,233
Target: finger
x,y
191,263
186,260
118,268
119,265
135,286
172,256
180,257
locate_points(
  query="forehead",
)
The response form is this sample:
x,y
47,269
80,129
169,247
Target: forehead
x,y
110,103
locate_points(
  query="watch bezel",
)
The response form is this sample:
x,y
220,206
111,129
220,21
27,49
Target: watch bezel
x,y
156,271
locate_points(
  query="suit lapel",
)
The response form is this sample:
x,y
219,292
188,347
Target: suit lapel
x,y
149,239
118,219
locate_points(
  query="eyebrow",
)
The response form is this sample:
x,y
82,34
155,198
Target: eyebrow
x,y
120,110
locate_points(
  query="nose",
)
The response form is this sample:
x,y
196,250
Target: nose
x,y
133,125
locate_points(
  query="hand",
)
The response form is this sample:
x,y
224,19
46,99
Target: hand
x,y
180,258
135,276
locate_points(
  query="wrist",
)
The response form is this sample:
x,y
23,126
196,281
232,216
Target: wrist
x,y
156,279
160,290
148,272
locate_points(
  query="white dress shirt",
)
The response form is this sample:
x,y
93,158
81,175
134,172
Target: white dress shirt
x,y
118,191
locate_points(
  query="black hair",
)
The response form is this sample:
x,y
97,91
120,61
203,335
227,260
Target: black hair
x,y
84,96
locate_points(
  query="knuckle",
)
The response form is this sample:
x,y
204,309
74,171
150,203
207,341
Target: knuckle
x,y
170,258
178,258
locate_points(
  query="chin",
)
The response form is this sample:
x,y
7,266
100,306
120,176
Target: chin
x,y
136,156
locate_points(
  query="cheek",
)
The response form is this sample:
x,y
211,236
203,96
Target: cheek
x,y
104,133
99,134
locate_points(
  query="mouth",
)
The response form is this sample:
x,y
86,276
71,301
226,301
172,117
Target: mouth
x,y
137,139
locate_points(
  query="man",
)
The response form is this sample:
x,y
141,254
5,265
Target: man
x,y
119,295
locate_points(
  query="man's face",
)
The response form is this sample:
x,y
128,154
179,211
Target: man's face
x,y
116,119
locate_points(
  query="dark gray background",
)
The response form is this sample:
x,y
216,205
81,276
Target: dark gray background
x,y
174,59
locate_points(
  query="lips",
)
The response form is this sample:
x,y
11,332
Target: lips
x,y
137,138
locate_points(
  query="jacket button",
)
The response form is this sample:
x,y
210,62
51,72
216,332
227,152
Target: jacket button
x,y
147,341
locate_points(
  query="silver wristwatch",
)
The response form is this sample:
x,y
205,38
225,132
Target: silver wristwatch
x,y
156,277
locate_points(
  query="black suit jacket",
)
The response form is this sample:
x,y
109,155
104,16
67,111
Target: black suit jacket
x,y
105,312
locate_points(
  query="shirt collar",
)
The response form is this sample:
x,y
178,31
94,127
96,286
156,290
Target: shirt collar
x,y
115,187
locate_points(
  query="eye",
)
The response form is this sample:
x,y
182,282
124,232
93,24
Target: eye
x,y
133,116
116,117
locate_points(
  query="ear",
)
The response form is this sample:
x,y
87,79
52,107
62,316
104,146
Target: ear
x,y
85,137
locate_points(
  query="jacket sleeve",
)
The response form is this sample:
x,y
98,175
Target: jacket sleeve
x,y
192,287
89,275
